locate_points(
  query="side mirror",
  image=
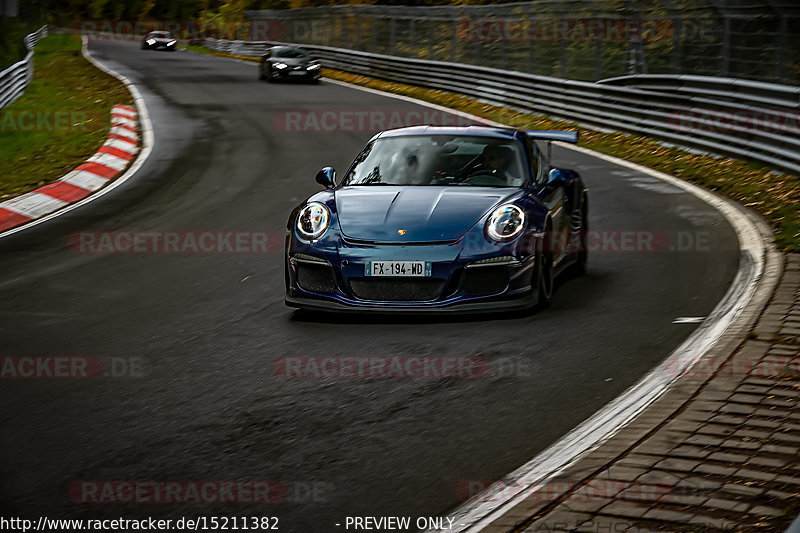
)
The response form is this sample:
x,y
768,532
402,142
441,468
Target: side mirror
x,y
327,177
556,177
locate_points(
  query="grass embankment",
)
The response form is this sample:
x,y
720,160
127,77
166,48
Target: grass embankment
x,y
775,196
61,119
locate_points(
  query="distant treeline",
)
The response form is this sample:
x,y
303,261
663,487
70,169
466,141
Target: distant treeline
x,y
63,12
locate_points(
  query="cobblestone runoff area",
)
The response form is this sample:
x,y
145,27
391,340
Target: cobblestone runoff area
x,y
727,460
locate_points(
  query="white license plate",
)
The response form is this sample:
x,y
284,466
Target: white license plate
x,y
398,268
297,73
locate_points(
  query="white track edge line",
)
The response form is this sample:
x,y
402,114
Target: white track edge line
x,y
473,515
147,145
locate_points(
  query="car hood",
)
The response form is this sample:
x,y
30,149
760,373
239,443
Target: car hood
x,y
426,213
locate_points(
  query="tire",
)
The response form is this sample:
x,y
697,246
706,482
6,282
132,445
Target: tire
x,y
545,277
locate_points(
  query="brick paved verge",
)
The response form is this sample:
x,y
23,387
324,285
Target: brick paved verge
x,y
726,459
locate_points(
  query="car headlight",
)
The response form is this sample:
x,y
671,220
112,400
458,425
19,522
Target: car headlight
x,y
313,67
281,65
151,41
172,42
313,220
506,223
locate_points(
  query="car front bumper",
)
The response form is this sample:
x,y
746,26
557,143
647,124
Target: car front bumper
x,y
519,303
473,285
159,46
297,74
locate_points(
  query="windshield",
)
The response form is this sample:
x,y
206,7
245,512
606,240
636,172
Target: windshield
x,y
289,52
439,160
159,35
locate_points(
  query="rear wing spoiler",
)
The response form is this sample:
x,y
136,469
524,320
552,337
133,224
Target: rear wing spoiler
x,y
563,136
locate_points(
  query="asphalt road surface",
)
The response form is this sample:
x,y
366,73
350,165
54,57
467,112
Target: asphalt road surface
x,y
203,331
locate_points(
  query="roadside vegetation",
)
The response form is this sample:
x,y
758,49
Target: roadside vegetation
x,y
203,50
12,44
774,195
61,119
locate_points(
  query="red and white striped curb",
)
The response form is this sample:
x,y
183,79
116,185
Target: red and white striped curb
x,y
105,165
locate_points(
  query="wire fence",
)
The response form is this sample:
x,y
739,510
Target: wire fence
x,y
573,39
16,78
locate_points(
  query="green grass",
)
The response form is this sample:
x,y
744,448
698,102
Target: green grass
x,y
61,119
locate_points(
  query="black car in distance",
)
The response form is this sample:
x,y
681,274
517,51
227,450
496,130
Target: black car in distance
x,y
288,62
159,40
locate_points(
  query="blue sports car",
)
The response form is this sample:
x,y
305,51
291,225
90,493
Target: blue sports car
x,y
428,218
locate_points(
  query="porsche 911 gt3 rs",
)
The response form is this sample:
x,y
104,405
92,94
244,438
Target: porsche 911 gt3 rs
x,y
439,219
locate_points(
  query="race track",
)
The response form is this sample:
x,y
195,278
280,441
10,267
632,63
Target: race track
x,y
207,328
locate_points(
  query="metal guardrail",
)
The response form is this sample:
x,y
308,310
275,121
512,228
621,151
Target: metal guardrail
x,y
240,48
15,78
739,118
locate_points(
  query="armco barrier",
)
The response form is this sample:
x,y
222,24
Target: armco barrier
x,y
241,48
745,119
15,78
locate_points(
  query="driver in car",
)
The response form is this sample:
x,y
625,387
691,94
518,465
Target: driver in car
x,y
493,160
